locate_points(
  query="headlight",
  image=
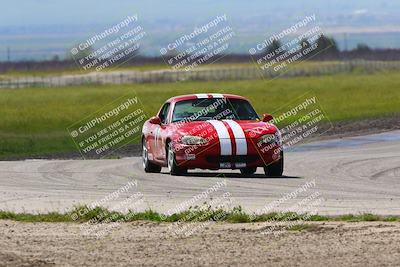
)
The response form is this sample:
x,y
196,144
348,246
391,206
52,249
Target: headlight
x,y
193,140
268,139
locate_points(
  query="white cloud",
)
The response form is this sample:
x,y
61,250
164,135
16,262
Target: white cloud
x,y
360,11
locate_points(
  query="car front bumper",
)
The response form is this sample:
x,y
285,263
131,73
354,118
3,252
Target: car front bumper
x,y
208,156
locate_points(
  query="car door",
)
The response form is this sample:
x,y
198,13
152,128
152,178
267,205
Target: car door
x,y
160,132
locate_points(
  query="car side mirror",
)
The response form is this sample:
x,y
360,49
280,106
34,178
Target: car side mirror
x,y
267,117
155,120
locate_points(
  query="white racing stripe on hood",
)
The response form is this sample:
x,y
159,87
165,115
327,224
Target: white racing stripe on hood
x,y
224,138
217,95
240,138
201,95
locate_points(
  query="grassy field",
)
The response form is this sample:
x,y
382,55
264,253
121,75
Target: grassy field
x,y
34,120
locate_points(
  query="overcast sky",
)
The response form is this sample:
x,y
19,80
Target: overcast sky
x,y
51,12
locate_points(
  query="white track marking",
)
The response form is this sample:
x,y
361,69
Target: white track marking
x,y
224,138
240,138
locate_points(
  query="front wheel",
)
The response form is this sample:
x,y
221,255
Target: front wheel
x,y
148,166
173,168
276,168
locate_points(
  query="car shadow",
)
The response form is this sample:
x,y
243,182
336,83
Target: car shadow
x,y
234,175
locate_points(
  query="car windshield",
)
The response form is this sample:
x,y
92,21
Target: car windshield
x,y
213,109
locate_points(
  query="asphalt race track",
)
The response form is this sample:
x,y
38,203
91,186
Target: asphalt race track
x,y
352,175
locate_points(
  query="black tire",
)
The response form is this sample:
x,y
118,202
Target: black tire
x,y
148,166
275,169
173,168
248,170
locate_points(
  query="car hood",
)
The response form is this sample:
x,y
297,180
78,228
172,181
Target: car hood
x,y
251,129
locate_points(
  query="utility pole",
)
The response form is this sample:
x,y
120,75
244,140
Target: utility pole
x,y
8,54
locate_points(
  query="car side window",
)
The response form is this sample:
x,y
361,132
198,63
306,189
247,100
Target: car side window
x,y
164,113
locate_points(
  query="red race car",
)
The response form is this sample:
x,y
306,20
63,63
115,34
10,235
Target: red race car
x,y
211,131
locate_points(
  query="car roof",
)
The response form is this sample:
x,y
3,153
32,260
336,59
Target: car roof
x,y
204,95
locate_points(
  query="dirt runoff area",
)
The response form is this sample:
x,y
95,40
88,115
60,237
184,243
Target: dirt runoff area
x,y
210,244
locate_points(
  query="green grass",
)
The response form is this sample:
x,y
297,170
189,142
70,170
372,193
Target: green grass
x,y
82,214
34,120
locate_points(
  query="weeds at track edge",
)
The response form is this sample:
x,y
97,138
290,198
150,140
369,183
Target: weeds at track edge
x,y
81,214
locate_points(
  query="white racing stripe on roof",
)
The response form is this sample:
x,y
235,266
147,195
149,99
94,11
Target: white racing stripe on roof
x,y
240,138
217,95
224,138
201,95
